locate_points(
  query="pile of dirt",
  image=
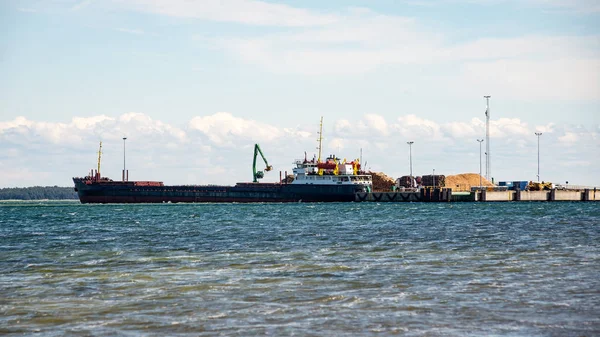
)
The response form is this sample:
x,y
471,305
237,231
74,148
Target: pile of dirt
x,y
381,181
464,181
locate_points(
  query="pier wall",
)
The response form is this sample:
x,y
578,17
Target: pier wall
x,y
497,195
565,195
445,195
388,196
532,196
424,195
591,195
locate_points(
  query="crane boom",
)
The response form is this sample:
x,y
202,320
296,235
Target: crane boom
x,y
259,174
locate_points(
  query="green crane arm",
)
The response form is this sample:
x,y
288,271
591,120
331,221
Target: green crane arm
x,y
259,174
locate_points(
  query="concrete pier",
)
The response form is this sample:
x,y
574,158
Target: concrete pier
x,y
424,195
446,195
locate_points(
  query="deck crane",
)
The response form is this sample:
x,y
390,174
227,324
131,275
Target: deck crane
x,y
259,174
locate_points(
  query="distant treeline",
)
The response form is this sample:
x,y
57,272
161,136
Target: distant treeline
x,y
38,193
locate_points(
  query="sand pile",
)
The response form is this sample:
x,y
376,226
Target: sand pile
x,y
464,181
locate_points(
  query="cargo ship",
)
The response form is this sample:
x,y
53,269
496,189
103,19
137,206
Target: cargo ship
x,y
313,182
331,180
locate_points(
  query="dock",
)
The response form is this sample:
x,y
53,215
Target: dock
x,y
446,195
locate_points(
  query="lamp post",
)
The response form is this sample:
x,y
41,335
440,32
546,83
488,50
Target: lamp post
x,y
410,161
124,138
488,156
538,134
480,141
433,178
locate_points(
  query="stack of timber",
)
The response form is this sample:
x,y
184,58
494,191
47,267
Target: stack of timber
x,y
438,180
381,182
404,181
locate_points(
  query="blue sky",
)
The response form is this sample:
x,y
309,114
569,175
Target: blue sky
x,y
194,84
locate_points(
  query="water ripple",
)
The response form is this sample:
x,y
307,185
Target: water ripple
x,y
516,269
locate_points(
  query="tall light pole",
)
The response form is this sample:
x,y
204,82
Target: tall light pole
x,y
480,141
410,160
488,160
124,138
538,134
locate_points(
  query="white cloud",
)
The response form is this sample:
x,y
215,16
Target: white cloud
x,y
528,47
25,130
569,137
216,149
463,129
565,79
377,123
223,128
578,6
89,129
342,126
531,66
81,4
296,133
250,12
548,128
90,122
141,124
336,145
361,42
21,177
413,126
16,123
582,6
504,127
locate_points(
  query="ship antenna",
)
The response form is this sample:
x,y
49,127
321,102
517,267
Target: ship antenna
x,y
99,157
320,139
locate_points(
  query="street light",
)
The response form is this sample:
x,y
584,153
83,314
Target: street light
x,y
480,141
538,134
488,156
410,161
433,178
124,138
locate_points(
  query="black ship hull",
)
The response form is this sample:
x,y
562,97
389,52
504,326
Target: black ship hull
x,y
130,192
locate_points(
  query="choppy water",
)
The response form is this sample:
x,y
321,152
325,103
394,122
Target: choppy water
x,y
351,269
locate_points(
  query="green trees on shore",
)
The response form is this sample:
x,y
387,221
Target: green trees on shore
x,y
38,193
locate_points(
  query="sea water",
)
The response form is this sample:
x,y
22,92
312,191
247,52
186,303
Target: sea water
x,y
341,269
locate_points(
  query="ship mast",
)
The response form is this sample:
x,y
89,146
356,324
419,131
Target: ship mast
x,y
320,139
320,172
99,156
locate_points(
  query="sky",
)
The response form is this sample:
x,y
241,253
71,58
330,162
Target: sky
x,y
193,85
